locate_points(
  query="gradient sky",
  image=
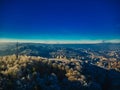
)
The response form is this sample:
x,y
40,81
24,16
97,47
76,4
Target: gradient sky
x,y
60,19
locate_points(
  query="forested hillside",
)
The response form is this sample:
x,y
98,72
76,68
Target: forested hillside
x,y
37,73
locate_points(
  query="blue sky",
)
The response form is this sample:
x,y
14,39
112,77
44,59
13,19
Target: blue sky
x,y
70,20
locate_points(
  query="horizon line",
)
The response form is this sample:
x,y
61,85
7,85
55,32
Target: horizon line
x,y
60,41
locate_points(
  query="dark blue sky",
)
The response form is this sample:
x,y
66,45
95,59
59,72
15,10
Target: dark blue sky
x,y
60,19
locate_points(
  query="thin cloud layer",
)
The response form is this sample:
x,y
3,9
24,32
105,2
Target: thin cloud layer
x,y
61,41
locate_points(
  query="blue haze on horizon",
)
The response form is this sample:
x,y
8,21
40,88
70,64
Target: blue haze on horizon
x,y
60,19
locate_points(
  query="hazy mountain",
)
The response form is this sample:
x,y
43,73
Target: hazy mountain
x,y
44,50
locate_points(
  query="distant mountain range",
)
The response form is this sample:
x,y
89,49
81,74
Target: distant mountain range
x,y
45,50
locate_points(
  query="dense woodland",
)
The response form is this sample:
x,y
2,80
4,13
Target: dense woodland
x,y
37,73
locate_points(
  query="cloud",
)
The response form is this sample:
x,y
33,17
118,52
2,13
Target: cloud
x,y
61,41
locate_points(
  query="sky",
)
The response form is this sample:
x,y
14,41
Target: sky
x,y
60,20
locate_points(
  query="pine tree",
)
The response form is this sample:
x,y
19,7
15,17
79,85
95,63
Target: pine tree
x,y
17,50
